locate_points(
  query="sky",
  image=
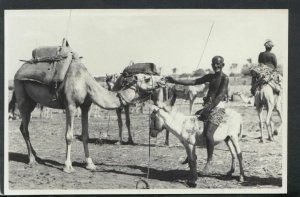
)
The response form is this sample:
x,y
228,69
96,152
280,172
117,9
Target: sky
x,y
109,39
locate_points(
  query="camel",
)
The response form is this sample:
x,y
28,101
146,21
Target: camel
x,y
189,131
114,83
265,98
78,89
187,92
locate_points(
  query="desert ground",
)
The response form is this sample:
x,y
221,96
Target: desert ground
x,y
121,166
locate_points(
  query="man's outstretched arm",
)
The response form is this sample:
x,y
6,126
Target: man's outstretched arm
x,y
197,81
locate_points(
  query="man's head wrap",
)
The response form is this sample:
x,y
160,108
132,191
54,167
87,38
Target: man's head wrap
x,y
269,44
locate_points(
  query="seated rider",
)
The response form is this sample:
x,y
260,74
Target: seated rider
x,y
213,111
266,71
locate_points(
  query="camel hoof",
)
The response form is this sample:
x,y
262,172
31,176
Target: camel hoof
x,y
166,143
91,166
229,173
275,132
68,169
261,141
191,184
241,179
32,163
271,139
130,142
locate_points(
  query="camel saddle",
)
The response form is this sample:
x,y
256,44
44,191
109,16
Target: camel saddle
x,y
48,65
141,68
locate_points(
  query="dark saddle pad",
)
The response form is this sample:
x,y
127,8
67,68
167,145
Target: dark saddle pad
x,y
48,64
144,68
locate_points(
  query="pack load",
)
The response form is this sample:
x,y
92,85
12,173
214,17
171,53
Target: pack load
x,y
141,68
263,74
48,64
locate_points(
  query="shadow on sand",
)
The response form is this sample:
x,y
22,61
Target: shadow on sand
x,y
162,175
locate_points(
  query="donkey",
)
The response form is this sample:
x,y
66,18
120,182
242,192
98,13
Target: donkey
x,y
190,133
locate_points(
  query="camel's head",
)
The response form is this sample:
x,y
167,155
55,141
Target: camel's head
x,y
149,83
156,122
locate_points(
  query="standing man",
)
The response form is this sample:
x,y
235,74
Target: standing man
x,y
213,110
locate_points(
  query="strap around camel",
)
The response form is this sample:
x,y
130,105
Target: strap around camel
x,y
48,64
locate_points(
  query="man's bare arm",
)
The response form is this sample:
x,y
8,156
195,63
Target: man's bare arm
x,y
197,81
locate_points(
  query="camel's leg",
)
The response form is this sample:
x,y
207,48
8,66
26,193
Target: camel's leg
x,y
192,159
233,155
70,114
278,108
259,112
235,142
85,136
26,106
268,122
130,141
167,137
120,124
192,100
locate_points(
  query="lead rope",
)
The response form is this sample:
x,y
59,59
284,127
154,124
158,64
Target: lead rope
x,y
146,186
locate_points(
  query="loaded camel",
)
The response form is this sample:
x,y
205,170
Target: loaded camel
x,y
114,83
77,89
189,131
265,97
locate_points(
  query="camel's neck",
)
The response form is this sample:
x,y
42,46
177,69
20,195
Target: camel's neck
x,y
105,98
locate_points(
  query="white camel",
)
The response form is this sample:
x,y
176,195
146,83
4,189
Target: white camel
x,y
76,89
190,133
265,98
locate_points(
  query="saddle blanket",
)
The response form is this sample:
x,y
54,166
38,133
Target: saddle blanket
x,y
263,74
49,64
141,68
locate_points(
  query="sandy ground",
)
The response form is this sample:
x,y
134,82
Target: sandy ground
x,y
120,166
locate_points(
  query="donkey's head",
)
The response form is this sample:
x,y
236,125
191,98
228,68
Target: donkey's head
x,y
156,122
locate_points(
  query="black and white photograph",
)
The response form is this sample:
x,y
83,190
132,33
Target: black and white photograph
x,y
146,101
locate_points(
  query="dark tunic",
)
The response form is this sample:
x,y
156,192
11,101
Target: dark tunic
x,y
268,59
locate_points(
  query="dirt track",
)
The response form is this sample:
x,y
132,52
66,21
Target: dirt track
x,y
120,166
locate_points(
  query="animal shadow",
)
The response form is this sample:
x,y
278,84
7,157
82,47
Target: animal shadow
x,y
162,175
248,180
22,158
97,141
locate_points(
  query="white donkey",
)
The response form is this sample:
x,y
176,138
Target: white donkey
x,y
189,130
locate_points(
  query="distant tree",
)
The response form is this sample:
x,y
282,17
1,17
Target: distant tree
x,y
174,70
199,73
